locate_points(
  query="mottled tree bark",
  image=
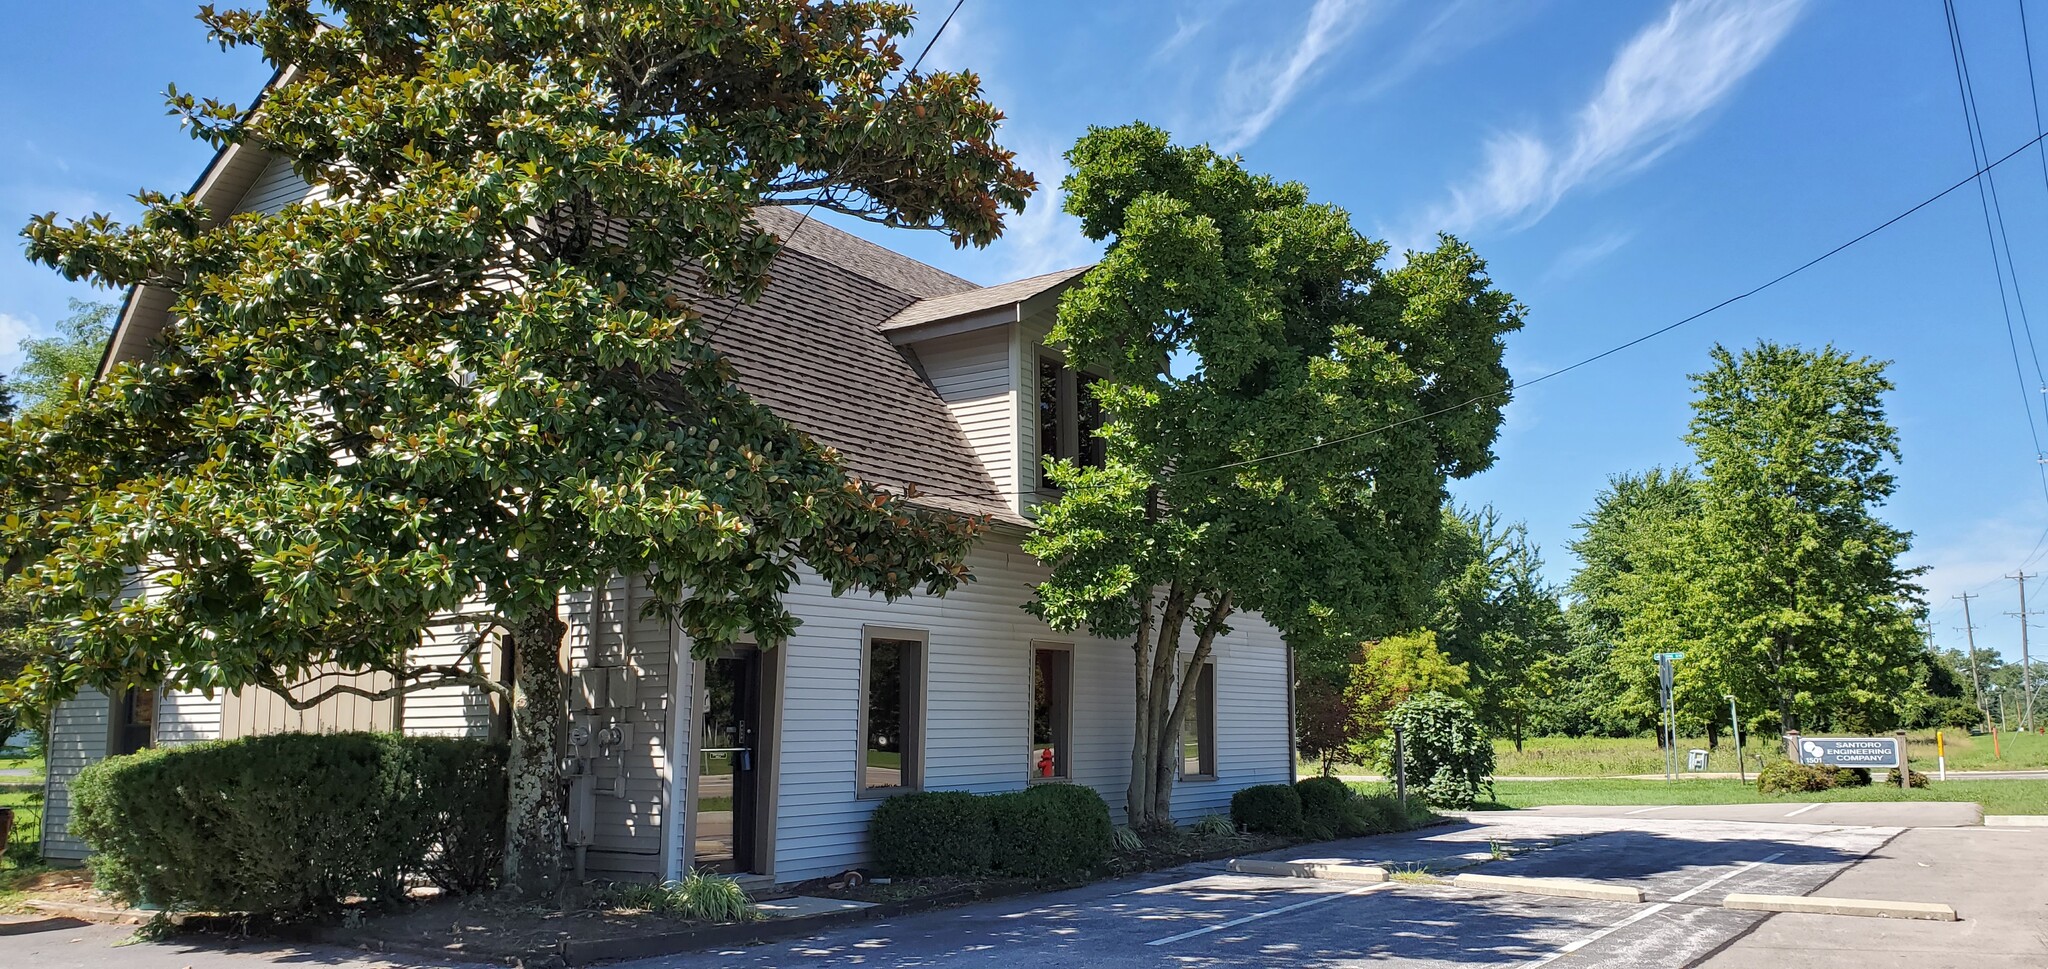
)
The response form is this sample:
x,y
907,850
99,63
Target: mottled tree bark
x,y
534,809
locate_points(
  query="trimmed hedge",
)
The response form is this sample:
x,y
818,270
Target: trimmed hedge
x,y
1271,808
1786,777
289,825
1323,800
932,833
1046,831
1050,831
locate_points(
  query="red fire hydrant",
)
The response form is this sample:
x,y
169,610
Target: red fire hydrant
x,y
1045,762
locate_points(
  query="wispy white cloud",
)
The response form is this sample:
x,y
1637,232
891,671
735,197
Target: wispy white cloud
x,y
1258,92
1660,82
1576,259
13,330
1042,238
1185,29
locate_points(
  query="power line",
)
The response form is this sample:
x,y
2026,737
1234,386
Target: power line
x,y
2033,87
862,138
1660,331
1973,128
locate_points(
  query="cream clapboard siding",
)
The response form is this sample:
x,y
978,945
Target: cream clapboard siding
x,y
451,711
971,373
276,188
606,630
78,736
976,708
186,717
1027,340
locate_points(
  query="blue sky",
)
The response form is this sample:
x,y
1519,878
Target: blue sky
x,y
1621,165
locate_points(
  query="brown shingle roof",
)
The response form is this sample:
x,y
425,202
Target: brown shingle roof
x,y
853,253
936,308
812,350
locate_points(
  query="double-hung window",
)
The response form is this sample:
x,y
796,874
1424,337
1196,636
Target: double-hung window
x,y
1068,417
1052,711
892,712
1198,727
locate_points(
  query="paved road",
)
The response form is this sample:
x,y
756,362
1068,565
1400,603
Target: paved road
x,y
1923,767
1202,916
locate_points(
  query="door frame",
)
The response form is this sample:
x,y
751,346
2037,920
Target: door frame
x,y
767,752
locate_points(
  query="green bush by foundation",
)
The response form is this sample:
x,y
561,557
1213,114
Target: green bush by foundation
x,y
933,833
290,825
1267,808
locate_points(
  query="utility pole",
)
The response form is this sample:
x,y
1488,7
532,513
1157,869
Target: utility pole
x,y
1970,631
2026,662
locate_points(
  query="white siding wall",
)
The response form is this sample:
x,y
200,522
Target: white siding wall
x,y
971,372
976,708
1029,337
450,711
606,630
186,717
276,188
78,736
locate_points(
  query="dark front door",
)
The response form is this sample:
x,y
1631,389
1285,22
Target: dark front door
x,y
730,763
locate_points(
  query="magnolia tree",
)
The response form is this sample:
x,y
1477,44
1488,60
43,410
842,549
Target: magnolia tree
x,y
468,371
1282,416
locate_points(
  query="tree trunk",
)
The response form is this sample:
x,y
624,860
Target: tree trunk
x,y
534,807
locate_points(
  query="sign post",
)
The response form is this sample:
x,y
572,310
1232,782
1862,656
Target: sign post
x,y
1664,661
1735,721
1904,772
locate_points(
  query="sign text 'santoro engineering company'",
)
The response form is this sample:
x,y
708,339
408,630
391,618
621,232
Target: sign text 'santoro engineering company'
x,y
1849,751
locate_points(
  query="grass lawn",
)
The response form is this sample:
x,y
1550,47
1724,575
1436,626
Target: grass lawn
x,y
1621,756
1997,797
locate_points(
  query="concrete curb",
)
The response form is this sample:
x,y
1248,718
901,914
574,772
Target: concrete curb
x,y
2016,820
96,913
1308,869
1558,887
1821,905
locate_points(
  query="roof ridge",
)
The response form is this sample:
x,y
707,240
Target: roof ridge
x,y
870,260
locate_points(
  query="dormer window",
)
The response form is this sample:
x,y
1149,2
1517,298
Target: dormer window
x,y
1068,417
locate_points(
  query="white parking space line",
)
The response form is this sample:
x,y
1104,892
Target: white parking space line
x,y
1718,879
1577,944
1647,810
1269,913
1794,814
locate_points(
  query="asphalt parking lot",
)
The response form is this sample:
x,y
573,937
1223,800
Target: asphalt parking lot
x,y
1684,860
1685,865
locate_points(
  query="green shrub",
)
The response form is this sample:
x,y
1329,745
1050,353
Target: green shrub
x,y
698,895
1370,815
1913,778
1322,804
1786,777
1270,808
1050,831
932,833
1214,826
287,825
1852,777
1448,755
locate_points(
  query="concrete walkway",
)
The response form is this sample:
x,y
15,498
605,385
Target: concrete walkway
x,y
1996,879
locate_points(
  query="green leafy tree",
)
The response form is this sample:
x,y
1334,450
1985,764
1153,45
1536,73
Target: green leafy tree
x,y
1494,613
1445,750
51,365
1631,600
474,370
1792,584
8,400
1253,356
